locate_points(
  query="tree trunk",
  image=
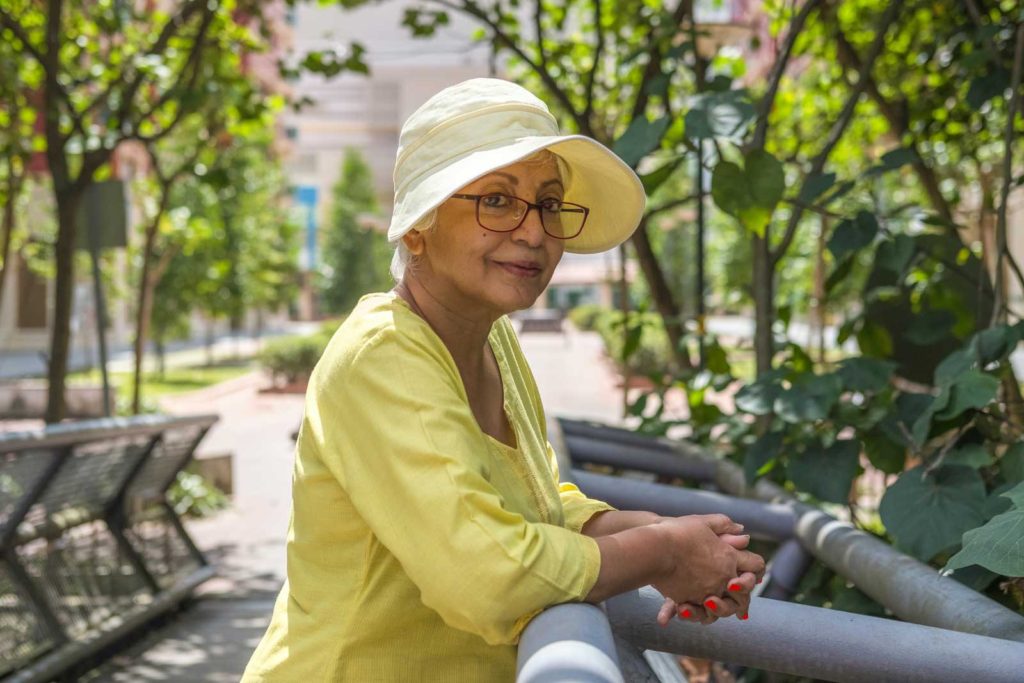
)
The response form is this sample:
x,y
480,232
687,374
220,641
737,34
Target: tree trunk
x,y
144,309
818,297
7,228
662,295
60,338
764,311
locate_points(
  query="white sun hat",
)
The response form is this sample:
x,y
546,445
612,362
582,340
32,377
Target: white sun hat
x,y
475,127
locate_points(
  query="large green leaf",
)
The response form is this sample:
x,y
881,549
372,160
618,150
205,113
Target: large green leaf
x,y
757,398
729,188
999,545
1012,463
827,473
719,114
972,455
766,177
808,399
894,254
971,390
853,234
927,514
866,374
815,185
762,455
883,453
874,339
640,139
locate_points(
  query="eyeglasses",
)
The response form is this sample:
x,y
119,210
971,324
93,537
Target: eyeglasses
x,y
504,213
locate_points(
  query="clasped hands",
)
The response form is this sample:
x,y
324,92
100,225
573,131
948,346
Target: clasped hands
x,y
711,573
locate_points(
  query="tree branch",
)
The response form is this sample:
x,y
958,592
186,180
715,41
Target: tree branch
x,y
839,127
1018,57
470,8
21,34
653,66
170,29
667,206
778,69
588,109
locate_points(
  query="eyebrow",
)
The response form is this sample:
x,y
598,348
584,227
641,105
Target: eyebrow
x,y
515,181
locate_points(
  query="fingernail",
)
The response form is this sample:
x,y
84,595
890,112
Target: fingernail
x,y
745,617
685,613
734,586
710,604
759,580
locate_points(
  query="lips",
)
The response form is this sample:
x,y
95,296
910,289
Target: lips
x,y
521,268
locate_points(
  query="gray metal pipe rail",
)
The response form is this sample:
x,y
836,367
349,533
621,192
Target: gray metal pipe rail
x,y
910,589
766,520
571,642
821,643
657,461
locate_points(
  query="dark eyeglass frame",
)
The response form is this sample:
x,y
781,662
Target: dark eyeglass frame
x,y
573,208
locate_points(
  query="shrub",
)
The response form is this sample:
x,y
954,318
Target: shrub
x,y
293,358
585,316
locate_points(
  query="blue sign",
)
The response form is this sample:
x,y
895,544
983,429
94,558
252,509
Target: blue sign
x,y
305,200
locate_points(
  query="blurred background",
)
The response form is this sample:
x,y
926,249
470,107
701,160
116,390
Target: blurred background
x,y
825,289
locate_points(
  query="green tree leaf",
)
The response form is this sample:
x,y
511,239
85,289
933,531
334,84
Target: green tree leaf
x,y
866,374
853,234
927,514
719,114
971,390
809,399
827,473
766,179
1011,465
972,455
762,456
883,453
999,545
640,139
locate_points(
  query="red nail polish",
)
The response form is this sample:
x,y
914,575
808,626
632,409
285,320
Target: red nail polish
x,y
710,604
685,614
734,586
745,617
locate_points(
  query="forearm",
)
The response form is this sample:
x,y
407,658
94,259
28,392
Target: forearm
x,y
611,522
630,559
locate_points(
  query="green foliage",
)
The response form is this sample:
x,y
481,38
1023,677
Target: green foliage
x,y
356,257
293,358
192,495
585,317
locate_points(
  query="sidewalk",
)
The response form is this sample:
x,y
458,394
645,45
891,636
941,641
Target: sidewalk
x,y
212,641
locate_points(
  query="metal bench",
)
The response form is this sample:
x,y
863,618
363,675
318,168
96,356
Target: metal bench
x,y
90,548
948,631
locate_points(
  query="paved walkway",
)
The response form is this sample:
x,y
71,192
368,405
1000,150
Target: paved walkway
x,y
212,641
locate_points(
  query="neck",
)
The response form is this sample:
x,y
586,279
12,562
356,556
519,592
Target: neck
x,y
463,334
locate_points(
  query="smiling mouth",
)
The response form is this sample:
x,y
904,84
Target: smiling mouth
x,y
521,269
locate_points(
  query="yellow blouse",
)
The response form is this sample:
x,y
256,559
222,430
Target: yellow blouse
x,y
419,547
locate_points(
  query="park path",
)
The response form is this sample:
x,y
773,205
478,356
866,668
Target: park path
x,y
211,642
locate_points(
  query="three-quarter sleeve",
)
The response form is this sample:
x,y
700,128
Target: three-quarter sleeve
x,y
576,507
392,424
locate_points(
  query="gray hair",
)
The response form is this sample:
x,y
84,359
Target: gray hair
x,y
403,259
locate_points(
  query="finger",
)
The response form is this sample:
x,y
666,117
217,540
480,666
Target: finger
x,y
720,607
721,524
740,542
667,611
747,561
687,611
742,584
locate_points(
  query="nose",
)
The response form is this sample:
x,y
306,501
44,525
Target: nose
x,y
531,230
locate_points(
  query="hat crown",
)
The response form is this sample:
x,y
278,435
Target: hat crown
x,y
487,111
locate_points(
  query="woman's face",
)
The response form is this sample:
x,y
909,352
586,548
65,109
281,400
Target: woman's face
x,y
476,271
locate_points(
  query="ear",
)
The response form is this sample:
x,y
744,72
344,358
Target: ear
x,y
413,241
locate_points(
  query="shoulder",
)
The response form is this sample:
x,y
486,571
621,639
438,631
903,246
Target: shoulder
x,y
380,335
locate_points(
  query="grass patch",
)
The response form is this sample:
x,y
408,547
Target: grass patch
x,y
173,381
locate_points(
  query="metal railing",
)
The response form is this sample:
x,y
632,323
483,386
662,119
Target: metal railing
x,y
90,548
949,631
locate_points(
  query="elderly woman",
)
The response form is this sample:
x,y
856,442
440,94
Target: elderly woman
x,y
429,525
